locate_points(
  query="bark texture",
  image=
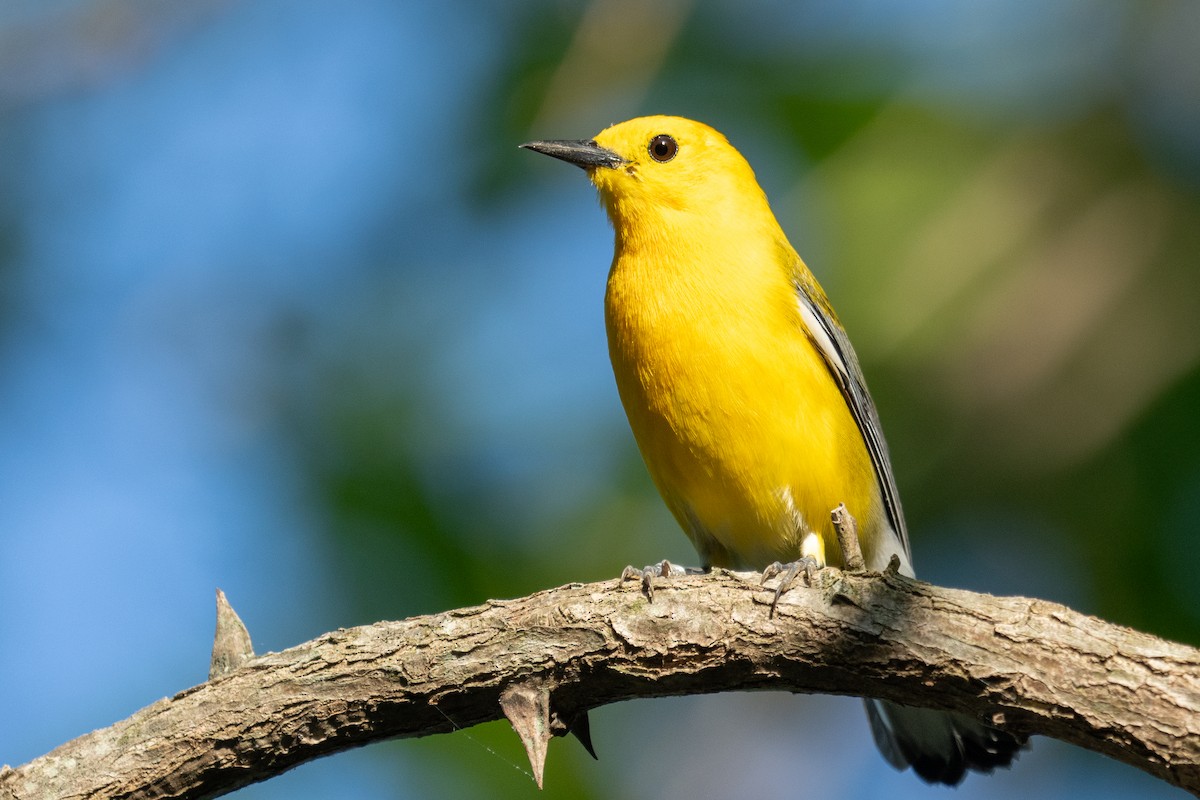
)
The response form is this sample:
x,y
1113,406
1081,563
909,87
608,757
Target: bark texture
x,y
1033,666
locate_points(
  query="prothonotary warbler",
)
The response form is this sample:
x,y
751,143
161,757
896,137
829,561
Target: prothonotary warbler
x,y
743,392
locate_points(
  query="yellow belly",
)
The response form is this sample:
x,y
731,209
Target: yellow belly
x,y
739,421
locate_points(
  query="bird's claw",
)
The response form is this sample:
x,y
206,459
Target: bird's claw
x,y
647,574
787,576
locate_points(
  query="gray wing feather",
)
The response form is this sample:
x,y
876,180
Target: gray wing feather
x,y
835,347
940,746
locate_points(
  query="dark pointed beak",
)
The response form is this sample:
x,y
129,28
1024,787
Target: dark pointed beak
x,y
584,153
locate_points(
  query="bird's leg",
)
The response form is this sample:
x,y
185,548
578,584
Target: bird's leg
x,y
812,558
663,569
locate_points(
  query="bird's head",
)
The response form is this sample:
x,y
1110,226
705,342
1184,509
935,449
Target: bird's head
x,y
650,170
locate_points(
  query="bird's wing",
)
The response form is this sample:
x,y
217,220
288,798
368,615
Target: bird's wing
x,y
839,356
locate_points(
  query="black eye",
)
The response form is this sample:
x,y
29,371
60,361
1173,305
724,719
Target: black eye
x,y
663,147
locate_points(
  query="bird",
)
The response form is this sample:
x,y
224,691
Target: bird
x,y
743,391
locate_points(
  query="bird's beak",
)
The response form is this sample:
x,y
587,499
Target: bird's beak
x,y
584,153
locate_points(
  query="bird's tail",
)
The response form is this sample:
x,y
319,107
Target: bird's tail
x,y
940,746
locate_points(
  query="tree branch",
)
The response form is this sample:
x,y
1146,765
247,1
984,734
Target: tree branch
x,y
1033,666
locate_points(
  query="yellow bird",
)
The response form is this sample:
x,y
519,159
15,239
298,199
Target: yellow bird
x,y
742,389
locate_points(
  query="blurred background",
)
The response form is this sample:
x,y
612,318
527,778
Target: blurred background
x,y
285,311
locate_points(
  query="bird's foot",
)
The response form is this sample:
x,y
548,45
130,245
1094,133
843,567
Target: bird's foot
x,y
663,569
811,559
806,565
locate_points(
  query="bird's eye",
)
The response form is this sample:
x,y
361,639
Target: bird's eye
x,y
663,147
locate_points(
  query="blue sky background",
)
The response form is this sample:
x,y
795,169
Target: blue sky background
x,y
283,310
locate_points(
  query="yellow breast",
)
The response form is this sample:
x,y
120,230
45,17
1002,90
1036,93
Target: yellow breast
x,y
739,421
